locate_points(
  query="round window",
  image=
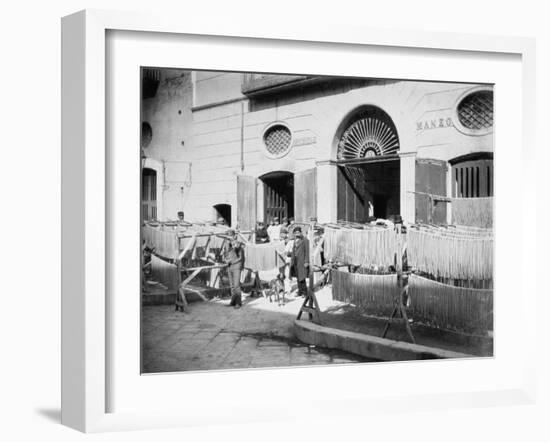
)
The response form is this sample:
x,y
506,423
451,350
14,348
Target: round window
x,y
146,134
277,140
475,111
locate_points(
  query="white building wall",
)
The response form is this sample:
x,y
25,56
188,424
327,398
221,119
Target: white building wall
x,y
217,121
216,159
169,114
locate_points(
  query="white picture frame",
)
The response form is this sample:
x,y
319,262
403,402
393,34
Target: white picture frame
x,y
85,312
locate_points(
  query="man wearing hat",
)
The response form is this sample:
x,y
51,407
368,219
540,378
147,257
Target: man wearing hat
x,y
233,255
181,223
261,234
299,260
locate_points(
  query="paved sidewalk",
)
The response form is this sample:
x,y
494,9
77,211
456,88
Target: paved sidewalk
x,y
213,336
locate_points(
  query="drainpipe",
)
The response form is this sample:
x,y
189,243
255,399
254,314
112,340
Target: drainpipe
x,y
242,136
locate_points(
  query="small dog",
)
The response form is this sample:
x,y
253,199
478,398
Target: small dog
x,y
277,289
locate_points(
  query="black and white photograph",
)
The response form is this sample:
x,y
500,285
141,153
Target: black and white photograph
x,y
236,221
299,220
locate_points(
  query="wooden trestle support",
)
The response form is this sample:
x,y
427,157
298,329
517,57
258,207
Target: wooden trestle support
x,y
186,274
310,304
399,313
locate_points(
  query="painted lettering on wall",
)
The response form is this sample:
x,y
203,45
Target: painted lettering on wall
x,y
435,123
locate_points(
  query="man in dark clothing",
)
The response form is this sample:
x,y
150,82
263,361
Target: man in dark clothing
x,y
299,260
234,257
261,234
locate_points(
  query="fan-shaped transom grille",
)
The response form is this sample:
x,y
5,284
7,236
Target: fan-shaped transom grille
x,y
368,137
277,140
475,112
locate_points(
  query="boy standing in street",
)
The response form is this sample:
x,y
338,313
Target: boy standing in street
x,y
234,258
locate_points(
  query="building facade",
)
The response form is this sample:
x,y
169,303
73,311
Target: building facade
x,y
247,147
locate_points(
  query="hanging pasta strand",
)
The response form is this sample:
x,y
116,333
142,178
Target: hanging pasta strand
x,y
433,303
164,242
368,247
451,253
472,211
263,256
168,240
374,294
450,307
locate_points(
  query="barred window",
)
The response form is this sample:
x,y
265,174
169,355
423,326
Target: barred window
x,y
473,177
150,81
475,111
277,140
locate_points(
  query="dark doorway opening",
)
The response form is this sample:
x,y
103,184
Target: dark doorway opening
x,y
223,211
382,185
278,195
148,194
369,188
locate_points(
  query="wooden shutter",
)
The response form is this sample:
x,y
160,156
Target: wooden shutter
x,y
305,195
351,195
431,177
472,179
246,202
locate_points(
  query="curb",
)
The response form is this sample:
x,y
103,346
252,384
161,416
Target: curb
x,y
368,346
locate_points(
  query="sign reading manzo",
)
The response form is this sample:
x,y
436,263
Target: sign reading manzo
x,y
435,123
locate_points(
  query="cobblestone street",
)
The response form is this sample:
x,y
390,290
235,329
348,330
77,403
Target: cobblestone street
x,y
213,336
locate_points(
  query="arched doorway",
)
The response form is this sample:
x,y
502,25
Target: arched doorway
x,y
368,133
368,166
278,195
223,211
148,194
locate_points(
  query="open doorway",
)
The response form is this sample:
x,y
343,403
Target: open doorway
x,y
382,188
369,189
368,166
223,211
278,195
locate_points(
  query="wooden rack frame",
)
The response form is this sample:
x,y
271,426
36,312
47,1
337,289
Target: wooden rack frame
x,y
310,305
190,252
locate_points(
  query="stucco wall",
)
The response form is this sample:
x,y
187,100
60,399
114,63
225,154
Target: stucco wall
x,y
214,87
171,119
215,115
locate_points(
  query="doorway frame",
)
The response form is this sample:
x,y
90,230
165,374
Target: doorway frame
x,y
218,214
158,167
263,199
373,160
